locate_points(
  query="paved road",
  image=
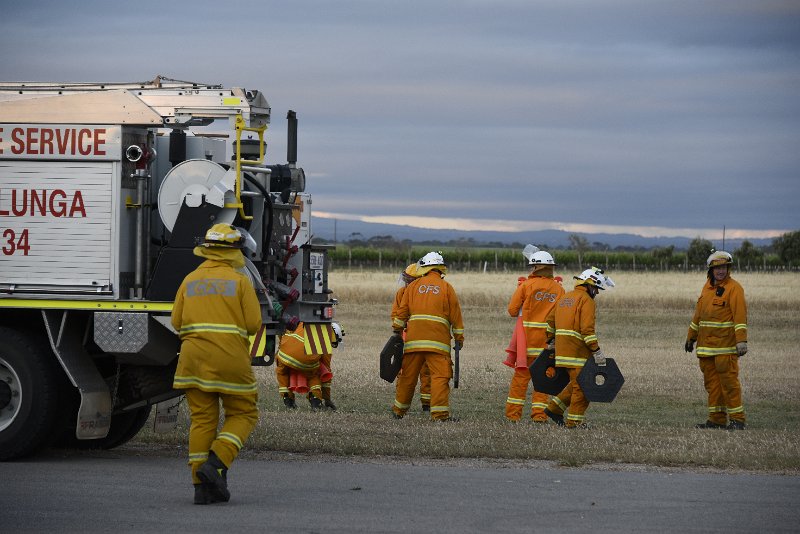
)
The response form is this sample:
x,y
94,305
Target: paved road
x,y
132,491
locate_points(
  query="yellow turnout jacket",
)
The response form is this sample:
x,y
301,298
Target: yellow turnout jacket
x,y
574,319
720,319
216,310
430,311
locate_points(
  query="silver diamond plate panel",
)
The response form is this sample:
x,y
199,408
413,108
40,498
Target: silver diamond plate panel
x,y
120,332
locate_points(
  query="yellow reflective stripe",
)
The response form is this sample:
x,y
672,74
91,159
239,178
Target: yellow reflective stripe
x,y
215,328
118,305
717,409
231,438
572,333
182,382
575,417
541,405
534,351
550,329
425,396
511,400
440,408
400,405
284,389
589,339
427,344
560,404
715,324
531,324
298,337
458,331
566,361
693,326
398,322
713,351
198,457
740,326
434,318
297,364
738,409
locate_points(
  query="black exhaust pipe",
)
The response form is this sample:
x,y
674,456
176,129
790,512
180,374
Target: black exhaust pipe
x,y
291,146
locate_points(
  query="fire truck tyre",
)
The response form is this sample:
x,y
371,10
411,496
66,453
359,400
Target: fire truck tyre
x,y
28,394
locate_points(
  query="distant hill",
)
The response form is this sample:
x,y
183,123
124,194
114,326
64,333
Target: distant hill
x,y
347,230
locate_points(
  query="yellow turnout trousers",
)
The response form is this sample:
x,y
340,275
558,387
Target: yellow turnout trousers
x,y
441,370
721,379
570,400
518,392
241,416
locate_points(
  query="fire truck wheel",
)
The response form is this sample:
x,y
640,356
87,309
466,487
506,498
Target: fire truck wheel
x,y
124,426
28,393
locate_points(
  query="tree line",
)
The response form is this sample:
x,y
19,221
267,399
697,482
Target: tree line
x,y
465,254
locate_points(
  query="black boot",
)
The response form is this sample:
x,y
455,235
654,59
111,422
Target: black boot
x,y
426,407
709,424
735,425
201,494
316,404
289,401
557,418
214,473
330,405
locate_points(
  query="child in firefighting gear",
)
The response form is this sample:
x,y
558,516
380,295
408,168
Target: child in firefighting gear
x,y
574,321
408,275
431,313
532,302
719,327
216,310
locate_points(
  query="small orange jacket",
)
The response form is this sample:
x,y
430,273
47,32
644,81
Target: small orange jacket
x,y
430,311
216,310
535,298
720,321
292,351
574,321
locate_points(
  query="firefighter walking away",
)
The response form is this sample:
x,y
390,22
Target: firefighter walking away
x,y
431,314
216,310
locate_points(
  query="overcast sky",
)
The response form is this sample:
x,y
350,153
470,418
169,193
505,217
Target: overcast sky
x,y
654,117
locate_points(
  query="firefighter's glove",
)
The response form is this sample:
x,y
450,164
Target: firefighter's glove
x,y
741,348
551,345
689,346
599,358
458,345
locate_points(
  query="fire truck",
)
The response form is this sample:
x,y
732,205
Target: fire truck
x,y
105,189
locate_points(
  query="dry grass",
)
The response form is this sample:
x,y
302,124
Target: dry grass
x,y
642,324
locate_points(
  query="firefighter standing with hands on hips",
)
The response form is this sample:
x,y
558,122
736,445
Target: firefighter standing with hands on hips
x,y
576,342
216,310
719,327
406,277
533,301
430,311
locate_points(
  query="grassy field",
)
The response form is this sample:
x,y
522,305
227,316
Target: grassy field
x,y
641,323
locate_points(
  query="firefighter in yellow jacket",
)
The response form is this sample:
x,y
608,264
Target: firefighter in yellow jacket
x,y
406,277
719,327
431,312
576,341
533,300
216,310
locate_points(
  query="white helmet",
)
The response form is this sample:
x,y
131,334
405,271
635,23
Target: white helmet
x,y
541,258
430,259
594,277
719,257
338,332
